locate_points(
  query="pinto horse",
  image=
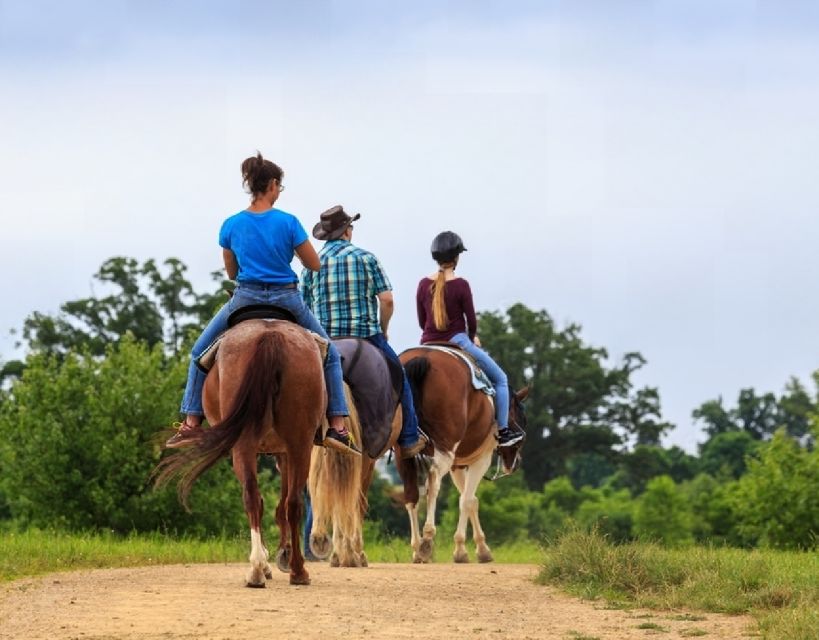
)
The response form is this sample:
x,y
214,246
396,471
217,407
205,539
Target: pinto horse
x,y
460,421
333,475
264,394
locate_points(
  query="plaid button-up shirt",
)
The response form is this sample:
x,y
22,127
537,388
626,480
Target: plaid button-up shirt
x,y
342,295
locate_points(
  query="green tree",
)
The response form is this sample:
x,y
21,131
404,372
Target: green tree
x,y
155,306
725,454
663,514
610,511
576,401
78,443
714,520
776,501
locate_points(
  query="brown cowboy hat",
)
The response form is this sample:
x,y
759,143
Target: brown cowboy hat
x,y
333,223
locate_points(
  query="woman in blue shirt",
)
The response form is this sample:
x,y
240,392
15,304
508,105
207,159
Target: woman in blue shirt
x,y
258,245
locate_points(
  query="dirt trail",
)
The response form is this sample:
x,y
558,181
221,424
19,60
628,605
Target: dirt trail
x,y
436,601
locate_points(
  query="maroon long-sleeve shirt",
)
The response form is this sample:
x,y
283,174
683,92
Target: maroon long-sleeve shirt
x,y
459,309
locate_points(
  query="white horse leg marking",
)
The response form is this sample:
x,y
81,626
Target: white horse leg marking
x,y
415,538
470,501
258,560
441,464
459,554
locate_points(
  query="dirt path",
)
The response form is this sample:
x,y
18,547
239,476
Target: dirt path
x,y
391,601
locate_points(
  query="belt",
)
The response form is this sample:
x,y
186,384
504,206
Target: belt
x,y
267,286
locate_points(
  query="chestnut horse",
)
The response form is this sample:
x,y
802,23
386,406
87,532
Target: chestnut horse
x,y
333,475
265,394
460,421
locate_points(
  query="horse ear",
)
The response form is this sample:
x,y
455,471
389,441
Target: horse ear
x,y
522,394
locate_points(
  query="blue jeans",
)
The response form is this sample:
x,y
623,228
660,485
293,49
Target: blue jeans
x,y
287,298
495,374
409,427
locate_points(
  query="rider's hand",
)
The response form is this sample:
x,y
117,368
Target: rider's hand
x,y
477,341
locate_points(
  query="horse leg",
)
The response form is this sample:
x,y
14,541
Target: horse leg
x,y
244,466
409,478
320,543
298,466
459,554
441,465
470,504
283,552
367,471
268,572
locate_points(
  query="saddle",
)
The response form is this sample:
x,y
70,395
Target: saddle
x,y
375,383
480,380
253,312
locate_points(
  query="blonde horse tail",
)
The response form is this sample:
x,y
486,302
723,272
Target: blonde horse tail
x,y
335,492
257,393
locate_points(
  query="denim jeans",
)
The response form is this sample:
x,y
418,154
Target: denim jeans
x,y
409,427
287,298
495,374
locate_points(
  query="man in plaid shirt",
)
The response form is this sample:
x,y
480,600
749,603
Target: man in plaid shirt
x,y
352,296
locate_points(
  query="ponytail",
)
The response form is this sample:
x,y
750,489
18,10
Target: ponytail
x,y
439,315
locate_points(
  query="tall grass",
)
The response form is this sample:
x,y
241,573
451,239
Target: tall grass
x,y
780,588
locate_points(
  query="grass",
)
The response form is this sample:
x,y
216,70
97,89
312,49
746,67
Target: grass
x,y
35,552
781,589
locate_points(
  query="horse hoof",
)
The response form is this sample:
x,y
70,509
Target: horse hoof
x,y
303,579
268,572
363,559
485,557
460,558
321,546
334,562
425,550
283,560
254,585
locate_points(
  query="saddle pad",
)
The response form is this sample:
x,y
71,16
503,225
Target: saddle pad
x,y
375,390
206,361
480,381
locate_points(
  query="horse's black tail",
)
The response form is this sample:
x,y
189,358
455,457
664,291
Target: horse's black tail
x,y
416,371
254,399
413,471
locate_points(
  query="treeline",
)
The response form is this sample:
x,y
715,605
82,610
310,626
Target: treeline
x,y
79,418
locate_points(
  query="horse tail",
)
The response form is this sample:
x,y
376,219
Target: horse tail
x,y
253,401
416,371
335,491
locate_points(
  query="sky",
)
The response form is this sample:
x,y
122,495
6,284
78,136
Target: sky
x,y
644,169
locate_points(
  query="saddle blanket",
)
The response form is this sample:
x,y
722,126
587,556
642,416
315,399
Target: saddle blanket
x,y
480,381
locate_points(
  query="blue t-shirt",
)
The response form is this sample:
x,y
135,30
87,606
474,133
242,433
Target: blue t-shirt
x,y
264,245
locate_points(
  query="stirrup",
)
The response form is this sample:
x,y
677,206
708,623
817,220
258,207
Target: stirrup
x,y
341,443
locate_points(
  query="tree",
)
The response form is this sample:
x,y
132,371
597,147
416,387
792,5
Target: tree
x,y
663,514
153,306
776,501
78,441
725,455
576,401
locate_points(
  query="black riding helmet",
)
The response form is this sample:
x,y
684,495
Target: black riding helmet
x,y
447,246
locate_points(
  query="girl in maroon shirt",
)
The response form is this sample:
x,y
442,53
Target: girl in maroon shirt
x,y
446,313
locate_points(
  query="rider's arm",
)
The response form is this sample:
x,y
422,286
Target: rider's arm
x,y
308,256
231,265
385,308
469,312
419,305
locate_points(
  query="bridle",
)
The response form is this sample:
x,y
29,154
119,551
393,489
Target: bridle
x,y
514,423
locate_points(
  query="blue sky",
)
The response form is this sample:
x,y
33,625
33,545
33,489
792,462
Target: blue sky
x,y
645,169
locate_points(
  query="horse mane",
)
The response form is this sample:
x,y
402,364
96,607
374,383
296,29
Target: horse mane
x,y
259,387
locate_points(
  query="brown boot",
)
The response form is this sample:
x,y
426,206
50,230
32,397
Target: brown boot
x,y
417,447
186,434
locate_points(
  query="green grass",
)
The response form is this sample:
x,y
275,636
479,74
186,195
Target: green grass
x,y
781,589
35,552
